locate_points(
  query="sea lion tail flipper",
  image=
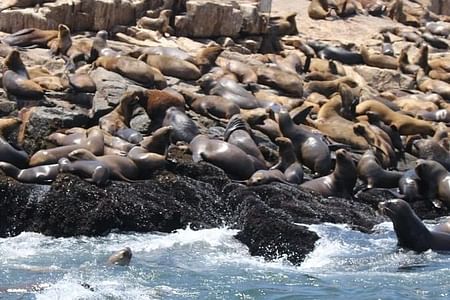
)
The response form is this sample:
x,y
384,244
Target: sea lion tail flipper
x,y
300,117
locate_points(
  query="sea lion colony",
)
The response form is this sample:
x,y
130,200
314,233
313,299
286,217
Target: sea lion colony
x,y
294,111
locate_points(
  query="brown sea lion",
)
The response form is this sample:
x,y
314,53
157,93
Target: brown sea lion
x,y
159,141
121,168
89,170
276,78
288,163
318,9
373,175
426,85
406,125
378,60
310,148
157,102
411,232
121,257
328,87
121,115
16,80
22,3
340,182
244,72
8,124
404,65
205,58
146,161
172,66
230,158
435,180
160,24
266,177
30,37
211,106
39,174
93,143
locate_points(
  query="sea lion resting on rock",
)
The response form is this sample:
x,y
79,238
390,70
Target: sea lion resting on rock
x,y
90,170
172,66
373,175
21,3
411,232
435,180
340,183
40,174
288,163
30,37
184,129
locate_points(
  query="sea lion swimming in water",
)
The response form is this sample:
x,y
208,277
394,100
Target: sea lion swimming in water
x,y
411,232
121,257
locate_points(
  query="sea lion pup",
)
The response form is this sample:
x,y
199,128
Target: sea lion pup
x,y
16,80
406,125
22,3
183,128
310,148
340,183
318,9
230,158
93,143
160,24
211,106
380,143
411,232
120,116
244,72
426,85
121,257
40,174
336,127
435,180
288,163
378,60
89,170
172,66
30,37
278,79
373,175
266,177
238,133
133,69
121,168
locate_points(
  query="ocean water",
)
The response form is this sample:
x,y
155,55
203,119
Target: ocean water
x,y
211,264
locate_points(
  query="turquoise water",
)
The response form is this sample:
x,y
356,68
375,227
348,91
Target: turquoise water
x,y
211,264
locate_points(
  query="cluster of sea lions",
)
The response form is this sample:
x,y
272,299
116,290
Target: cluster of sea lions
x,y
302,116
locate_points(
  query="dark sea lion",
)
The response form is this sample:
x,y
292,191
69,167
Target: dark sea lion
x,y
120,116
238,133
435,180
440,115
438,28
340,182
121,168
231,91
100,46
310,148
378,60
374,119
121,257
406,125
90,170
9,154
230,158
340,54
172,66
386,46
93,143
266,177
411,232
30,37
431,149
435,41
404,65
373,175
409,185
41,174
133,69
16,80
129,134
288,163
318,9
183,128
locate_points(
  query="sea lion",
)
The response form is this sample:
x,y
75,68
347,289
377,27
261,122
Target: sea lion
x,y
435,41
340,54
22,3
211,106
438,28
374,119
205,58
120,116
129,135
318,9
409,185
373,175
288,163
9,154
94,143
117,143
165,51
146,161
404,65
435,179
405,125
230,158
121,168
411,232
121,257
159,141
157,102
266,177
89,170
100,46
160,24
40,174
238,133
64,139
386,46
276,78
328,87
184,129
16,80
431,149
244,72
310,148
378,60
341,182
231,91
30,37
172,66
426,85
79,83
7,124
439,115
133,69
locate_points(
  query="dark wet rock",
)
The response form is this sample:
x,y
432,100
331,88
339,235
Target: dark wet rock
x,y
7,107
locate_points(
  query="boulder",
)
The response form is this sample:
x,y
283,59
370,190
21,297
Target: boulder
x,y
384,79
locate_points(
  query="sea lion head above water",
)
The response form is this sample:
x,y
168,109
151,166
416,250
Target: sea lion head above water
x,y
121,257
